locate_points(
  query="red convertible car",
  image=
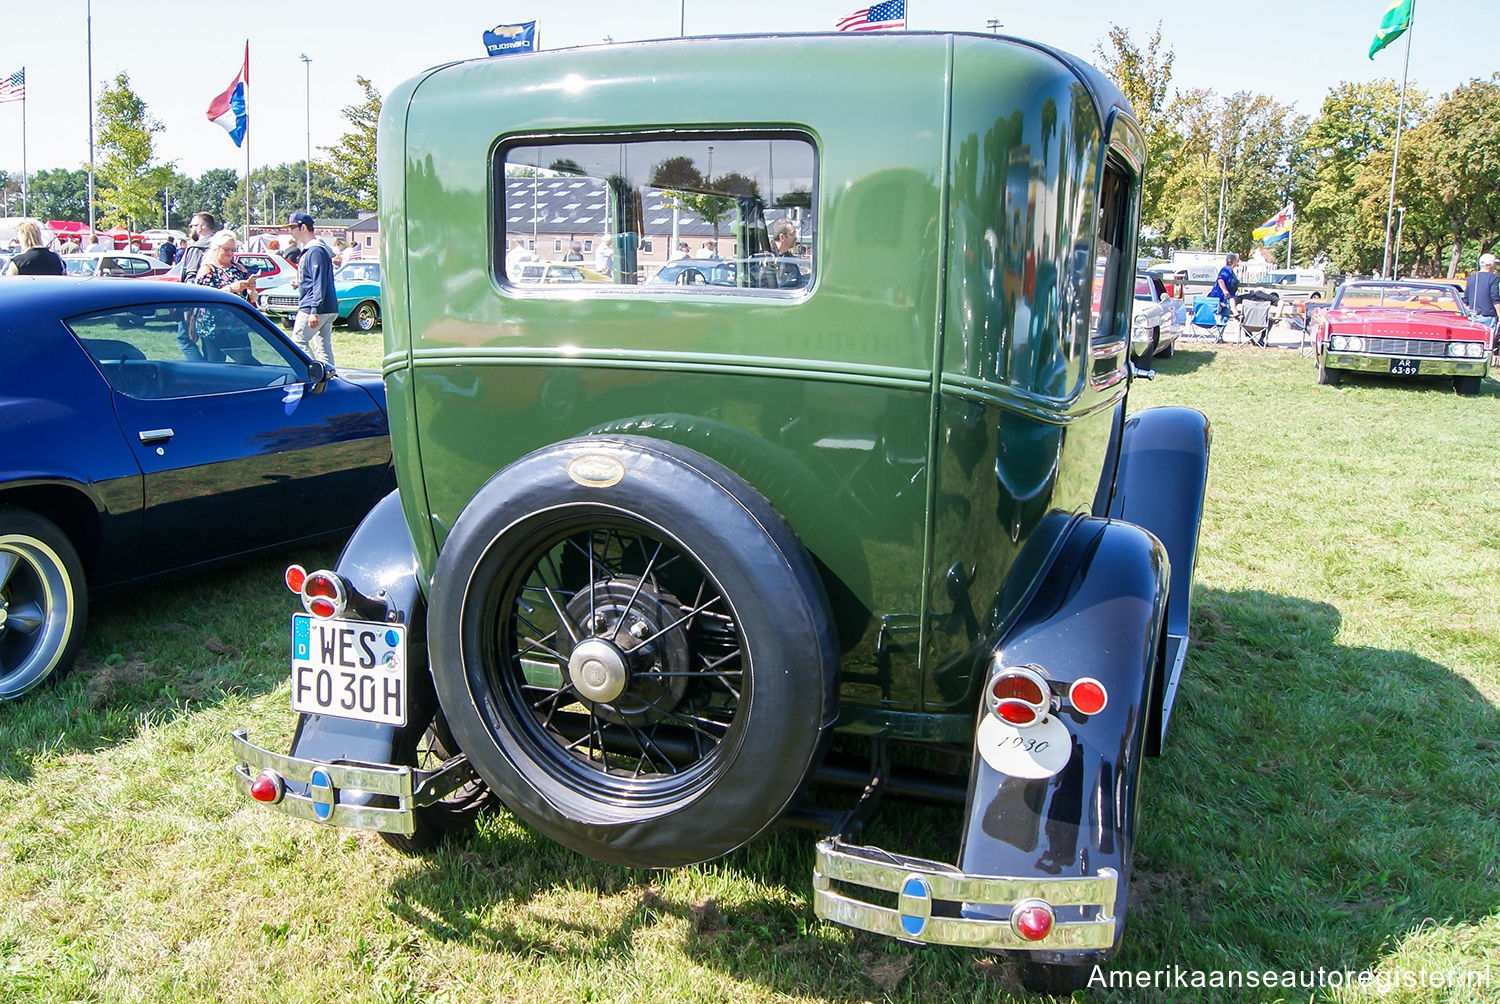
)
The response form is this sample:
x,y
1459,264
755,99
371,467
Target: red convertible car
x,y
1404,329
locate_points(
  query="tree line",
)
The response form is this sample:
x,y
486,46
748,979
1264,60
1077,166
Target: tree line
x,y
1255,154
133,189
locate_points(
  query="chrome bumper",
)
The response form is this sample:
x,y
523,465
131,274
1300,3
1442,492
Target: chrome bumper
x,y
339,793
1436,366
919,885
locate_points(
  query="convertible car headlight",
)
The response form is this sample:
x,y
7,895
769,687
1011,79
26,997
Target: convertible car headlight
x,y
1340,343
1476,350
1457,349
1356,343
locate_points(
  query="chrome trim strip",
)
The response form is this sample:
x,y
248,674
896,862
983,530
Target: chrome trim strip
x,y
877,869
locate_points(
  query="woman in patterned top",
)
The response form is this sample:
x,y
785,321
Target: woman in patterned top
x,y
217,331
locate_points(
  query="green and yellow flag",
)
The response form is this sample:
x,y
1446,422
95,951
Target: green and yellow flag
x,y
1396,20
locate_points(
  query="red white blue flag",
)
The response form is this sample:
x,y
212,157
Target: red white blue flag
x,y
886,14
13,87
228,109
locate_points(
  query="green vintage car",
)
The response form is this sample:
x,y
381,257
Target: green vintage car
x,y
667,557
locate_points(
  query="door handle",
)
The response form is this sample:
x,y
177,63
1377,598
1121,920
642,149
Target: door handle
x,y
149,436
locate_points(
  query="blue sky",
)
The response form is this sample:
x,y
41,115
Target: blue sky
x,y
180,54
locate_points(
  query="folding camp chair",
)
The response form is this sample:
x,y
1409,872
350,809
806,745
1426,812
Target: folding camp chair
x,y
1206,320
1255,315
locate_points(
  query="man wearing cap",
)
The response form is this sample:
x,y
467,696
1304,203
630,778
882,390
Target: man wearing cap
x,y
1483,293
318,304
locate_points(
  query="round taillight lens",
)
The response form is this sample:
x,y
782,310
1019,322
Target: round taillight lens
x,y
1017,713
1088,696
1032,919
1016,687
295,576
320,607
321,584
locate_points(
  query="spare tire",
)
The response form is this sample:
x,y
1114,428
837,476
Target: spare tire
x,y
634,650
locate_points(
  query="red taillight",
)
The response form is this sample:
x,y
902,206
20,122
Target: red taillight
x,y
1032,919
1014,686
1017,713
1088,696
268,787
1018,695
321,584
295,576
323,594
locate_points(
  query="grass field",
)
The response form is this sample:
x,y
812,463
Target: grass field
x,y
1329,798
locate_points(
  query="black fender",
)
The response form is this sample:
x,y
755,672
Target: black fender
x,y
1096,612
380,563
1162,480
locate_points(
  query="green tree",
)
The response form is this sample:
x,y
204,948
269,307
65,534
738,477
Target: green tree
x,y
60,194
277,190
1347,159
1457,156
10,194
351,161
1144,76
129,179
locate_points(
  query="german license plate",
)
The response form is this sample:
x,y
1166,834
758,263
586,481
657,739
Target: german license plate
x,y
349,669
1403,367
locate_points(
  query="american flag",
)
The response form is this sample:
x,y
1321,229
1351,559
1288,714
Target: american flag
x,y
13,87
887,14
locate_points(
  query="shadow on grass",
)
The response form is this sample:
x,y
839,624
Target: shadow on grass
x,y
1488,387
154,652
1315,803
1189,355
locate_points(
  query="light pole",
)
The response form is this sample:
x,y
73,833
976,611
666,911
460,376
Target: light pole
x,y
1400,219
994,25
307,165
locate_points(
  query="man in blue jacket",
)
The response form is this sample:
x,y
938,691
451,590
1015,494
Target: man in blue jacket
x,y
319,304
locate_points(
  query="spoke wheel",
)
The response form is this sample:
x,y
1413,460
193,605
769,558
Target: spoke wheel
x,y
645,671
43,602
619,687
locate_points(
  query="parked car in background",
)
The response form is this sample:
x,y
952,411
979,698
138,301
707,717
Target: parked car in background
x,y
552,273
268,268
113,264
125,460
756,271
357,285
1156,319
1404,329
652,549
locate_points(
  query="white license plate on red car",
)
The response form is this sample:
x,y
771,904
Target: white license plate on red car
x,y
1404,367
349,669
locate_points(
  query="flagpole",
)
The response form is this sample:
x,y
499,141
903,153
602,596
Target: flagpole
x,y
246,236
1390,207
24,186
90,23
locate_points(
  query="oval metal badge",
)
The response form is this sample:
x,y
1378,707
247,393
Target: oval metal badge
x,y
596,470
1035,752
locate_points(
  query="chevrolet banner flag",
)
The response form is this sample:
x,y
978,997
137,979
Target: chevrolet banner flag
x,y
508,39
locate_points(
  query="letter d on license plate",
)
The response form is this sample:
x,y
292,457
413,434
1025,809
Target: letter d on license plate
x,y
349,669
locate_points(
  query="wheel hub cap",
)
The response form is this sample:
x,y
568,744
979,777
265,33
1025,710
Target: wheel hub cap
x,y
598,670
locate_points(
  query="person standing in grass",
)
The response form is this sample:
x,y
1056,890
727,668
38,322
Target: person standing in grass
x,y
1482,292
318,304
1225,285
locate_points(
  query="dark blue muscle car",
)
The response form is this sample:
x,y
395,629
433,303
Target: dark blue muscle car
x,y
148,428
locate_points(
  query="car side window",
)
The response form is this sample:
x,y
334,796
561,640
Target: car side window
x,y
255,264
156,351
656,214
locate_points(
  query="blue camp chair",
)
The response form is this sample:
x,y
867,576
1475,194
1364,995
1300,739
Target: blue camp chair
x,y
1206,320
